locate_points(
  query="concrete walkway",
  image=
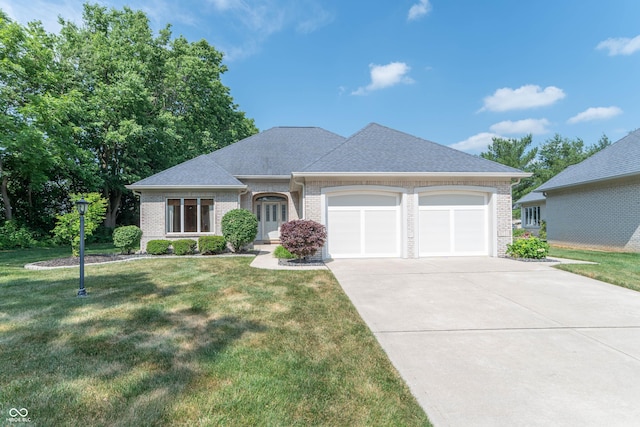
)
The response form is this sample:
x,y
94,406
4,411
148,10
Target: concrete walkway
x,y
266,260
497,342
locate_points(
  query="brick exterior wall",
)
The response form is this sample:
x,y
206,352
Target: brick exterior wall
x,y
153,212
313,207
153,205
603,216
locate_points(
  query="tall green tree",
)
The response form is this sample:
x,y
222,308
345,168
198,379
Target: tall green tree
x,y
515,153
148,102
36,124
558,153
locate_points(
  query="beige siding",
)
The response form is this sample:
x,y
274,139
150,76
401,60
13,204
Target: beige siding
x,y
603,216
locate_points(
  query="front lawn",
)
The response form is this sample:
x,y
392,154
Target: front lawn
x,y
193,341
618,268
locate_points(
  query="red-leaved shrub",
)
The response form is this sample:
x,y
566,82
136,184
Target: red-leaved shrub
x,y
302,237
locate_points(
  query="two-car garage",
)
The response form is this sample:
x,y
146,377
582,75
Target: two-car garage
x,y
374,223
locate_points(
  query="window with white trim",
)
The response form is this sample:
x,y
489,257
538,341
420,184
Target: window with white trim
x,y
193,215
531,216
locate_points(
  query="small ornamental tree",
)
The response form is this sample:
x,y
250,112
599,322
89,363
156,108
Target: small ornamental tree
x,y
67,228
302,237
127,238
239,228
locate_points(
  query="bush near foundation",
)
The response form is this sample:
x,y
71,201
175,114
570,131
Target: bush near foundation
x,y
302,237
529,247
158,247
184,246
239,228
127,238
209,245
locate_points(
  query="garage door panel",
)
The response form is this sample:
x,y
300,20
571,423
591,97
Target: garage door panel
x,y
364,224
344,232
453,224
434,231
380,232
470,236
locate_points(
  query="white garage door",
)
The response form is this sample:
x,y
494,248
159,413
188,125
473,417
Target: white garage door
x,y
363,225
453,224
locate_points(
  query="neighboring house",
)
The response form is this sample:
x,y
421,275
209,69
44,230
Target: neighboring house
x,y
532,211
380,193
596,203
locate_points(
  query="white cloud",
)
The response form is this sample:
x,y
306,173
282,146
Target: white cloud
x,y
476,143
533,126
620,46
527,96
419,10
383,76
595,113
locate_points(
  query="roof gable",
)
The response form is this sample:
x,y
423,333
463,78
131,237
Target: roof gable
x,y
620,159
276,151
378,148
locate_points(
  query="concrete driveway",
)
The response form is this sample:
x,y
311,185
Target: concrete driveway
x,y
496,342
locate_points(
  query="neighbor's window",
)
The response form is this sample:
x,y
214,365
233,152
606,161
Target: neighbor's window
x,y
189,215
532,216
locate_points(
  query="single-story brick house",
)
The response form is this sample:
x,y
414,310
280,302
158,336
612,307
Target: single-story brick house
x,y
595,204
532,211
380,193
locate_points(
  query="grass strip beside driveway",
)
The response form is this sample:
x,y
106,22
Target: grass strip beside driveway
x,y
206,341
617,268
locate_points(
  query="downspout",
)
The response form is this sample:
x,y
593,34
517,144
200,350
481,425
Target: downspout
x,y
302,199
240,194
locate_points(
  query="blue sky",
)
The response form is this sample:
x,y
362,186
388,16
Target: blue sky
x,y
456,72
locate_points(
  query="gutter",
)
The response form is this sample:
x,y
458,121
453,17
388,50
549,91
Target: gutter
x,y
415,174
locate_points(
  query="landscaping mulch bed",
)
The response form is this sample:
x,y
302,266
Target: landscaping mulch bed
x,y
103,258
300,262
88,259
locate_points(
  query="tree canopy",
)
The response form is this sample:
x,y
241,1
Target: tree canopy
x,y
544,162
102,104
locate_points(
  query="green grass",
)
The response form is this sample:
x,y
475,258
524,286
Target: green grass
x,y
618,268
196,341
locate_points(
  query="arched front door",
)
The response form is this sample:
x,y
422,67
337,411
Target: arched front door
x,y
271,212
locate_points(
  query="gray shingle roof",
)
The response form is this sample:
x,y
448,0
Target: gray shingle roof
x,y
276,151
378,148
620,159
532,197
201,171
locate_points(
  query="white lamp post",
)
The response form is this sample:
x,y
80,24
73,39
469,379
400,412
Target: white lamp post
x,y
82,206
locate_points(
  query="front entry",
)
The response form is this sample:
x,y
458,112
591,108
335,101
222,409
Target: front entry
x,y
271,212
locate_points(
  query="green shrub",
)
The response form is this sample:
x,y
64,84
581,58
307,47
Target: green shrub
x,y
126,238
184,246
528,247
67,228
281,252
14,236
158,247
239,228
208,245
